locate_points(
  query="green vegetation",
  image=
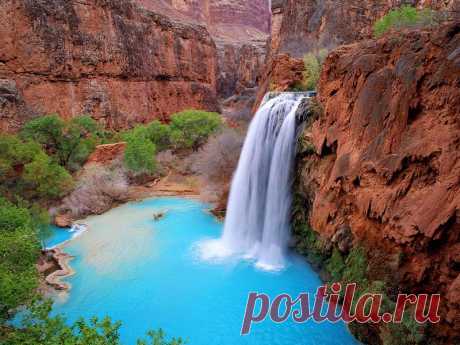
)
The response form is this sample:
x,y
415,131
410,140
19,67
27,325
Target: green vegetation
x,y
140,155
352,267
69,143
404,17
19,250
26,171
191,128
159,134
35,169
313,65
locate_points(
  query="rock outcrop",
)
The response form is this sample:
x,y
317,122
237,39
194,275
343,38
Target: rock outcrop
x,y
311,25
126,61
387,162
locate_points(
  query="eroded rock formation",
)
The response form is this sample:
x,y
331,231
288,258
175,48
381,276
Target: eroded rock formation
x,y
125,62
310,25
387,162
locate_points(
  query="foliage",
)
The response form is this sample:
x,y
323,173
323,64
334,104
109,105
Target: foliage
x,y
38,327
45,130
408,332
27,171
404,17
191,128
159,338
356,268
159,134
69,142
335,265
48,179
313,64
19,250
139,155
14,153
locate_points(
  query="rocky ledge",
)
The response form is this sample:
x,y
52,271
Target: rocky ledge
x,y
381,166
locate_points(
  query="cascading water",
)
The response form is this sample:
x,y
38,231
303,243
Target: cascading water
x,y
257,222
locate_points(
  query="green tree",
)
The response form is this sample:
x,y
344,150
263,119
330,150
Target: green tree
x,y
191,128
48,179
70,143
139,155
19,250
45,130
78,141
159,134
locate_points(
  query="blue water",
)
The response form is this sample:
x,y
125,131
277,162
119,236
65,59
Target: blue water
x,y
57,236
148,275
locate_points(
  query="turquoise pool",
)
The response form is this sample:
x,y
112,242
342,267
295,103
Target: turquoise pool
x,y
148,275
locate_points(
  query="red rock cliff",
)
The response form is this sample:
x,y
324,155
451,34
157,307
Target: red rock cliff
x,y
388,162
310,24
126,61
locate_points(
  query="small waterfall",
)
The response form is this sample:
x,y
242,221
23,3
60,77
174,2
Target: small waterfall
x,y
258,212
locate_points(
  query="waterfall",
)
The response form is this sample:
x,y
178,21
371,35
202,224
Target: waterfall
x,y
258,213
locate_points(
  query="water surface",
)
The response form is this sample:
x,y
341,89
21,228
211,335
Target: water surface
x,y
148,275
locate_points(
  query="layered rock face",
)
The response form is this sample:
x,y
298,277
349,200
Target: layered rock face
x,y
387,162
309,25
110,59
125,62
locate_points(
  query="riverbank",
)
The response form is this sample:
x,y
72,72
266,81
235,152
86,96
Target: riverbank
x,y
54,264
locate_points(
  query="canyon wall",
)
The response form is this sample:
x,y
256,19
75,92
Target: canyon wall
x,y
384,172
310,25
126,62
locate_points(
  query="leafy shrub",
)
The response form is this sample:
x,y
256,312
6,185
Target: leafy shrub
x,y
313,64
15,153
19,250
25,170
69,142
38,327
404,17
191,128
159,134
335,266
139,155
48,179
46,130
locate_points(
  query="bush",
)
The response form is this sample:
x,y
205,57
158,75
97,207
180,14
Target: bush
x,y
140,155
13,154
96,191
159,134
69,142
27,171
19,248
218,158
191,128
38,327
48,179
404,17
313,64
46,130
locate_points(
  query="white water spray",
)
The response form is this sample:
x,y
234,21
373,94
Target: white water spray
x,y
258,213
